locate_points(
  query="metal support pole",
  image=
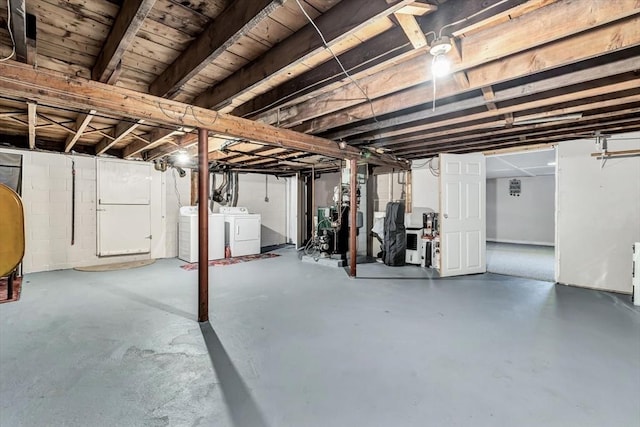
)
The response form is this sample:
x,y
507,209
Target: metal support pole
x,y
353,217
203,225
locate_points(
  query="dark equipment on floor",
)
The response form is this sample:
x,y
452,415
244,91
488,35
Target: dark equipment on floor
x,y
395,237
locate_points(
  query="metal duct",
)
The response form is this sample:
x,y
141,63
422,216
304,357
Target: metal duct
x,y
233,189
227,193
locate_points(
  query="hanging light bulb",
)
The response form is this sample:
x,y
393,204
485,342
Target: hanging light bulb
x,y
440,66
182,158
439,49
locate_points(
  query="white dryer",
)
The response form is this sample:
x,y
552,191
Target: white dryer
x,y
188,235
242,230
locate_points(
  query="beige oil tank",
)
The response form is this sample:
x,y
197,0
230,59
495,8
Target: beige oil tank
x,y
11,230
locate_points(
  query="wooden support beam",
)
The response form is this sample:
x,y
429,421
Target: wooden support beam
x,y
353,217
33,122
418,8
461,80
232,24
12,113
153,139
558,54
609,90
122,129
562,135
508,120
203,225
18,13
386,48
124,29
412,73
55,89
341,21
412,29
82,121
471,134
489,97
31,24
411,141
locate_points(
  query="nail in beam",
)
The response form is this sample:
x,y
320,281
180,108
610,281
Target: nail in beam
x,y
203,225
353,215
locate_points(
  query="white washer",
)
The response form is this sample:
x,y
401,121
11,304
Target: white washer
x,y
188,235
242,230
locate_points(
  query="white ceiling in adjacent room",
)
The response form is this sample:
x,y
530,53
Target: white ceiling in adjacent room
x,y
527,163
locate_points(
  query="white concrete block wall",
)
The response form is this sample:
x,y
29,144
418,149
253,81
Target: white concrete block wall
x,y
178,193
46,194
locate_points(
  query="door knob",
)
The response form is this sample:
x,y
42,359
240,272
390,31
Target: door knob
x,y
446,216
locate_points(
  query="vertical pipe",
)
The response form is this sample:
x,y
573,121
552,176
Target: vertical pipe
x,y
313,201
353,217
203,225
73,202
194,188
371,194
408,191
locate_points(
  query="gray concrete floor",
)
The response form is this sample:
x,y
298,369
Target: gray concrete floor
x,y
296,344
530,261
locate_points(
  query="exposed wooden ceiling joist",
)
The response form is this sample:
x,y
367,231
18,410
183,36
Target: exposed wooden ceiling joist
x,y
412,30
18,13
523,37
417,127
596,42
129,20
235,22
152,140
33,123
387,48
82,121
339,22
517,132
122,129
512,61
56,89
522,91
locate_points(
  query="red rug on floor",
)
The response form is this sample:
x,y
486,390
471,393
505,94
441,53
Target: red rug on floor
x,y
229,261
17,285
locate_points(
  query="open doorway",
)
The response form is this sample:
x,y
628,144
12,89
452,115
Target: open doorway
x,y
521,206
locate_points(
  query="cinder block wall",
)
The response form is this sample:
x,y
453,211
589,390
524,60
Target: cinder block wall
x,y
46,194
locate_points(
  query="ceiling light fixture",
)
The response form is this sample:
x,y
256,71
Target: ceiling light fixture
x,y
182,158
440,64
439,49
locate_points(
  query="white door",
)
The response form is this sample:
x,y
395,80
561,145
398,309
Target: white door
x,y
124,207
462,214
